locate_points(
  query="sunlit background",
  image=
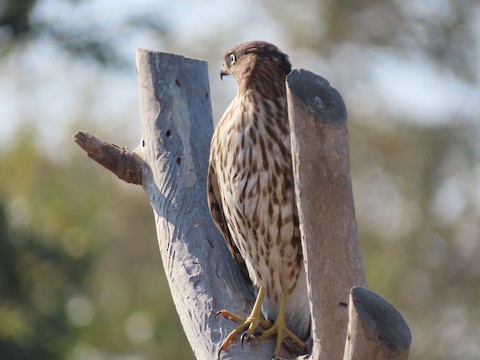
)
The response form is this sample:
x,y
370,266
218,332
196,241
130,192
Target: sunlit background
x,y
80,271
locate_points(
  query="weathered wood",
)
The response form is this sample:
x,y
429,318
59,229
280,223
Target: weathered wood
x,y
376,330
176,130
171,164
324,197
121,161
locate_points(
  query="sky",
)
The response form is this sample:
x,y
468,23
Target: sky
x,y
42,84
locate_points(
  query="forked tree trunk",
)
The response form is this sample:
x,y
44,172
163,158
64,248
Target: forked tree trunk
x,y
171,165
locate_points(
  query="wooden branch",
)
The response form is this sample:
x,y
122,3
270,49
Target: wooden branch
x,y
171,164
376,330
121,161
176,129
325,204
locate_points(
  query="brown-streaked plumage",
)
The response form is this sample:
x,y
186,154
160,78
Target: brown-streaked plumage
x,y
251,194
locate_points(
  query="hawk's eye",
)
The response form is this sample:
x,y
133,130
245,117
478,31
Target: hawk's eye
x,y
232,59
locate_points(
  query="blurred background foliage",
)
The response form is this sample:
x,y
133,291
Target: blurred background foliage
x,y
80,273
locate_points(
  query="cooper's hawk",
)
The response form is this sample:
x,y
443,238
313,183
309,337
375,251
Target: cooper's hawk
x,y
251,194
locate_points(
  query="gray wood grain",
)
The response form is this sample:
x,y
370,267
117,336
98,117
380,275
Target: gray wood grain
x,y
325,205
376,329
176,130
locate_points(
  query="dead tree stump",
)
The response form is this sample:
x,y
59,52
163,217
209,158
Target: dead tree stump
x,y
171,165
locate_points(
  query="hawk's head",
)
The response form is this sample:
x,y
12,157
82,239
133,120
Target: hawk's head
x,y
256,56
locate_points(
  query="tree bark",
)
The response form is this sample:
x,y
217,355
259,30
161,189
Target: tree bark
x,y
376,330
326,210
176,130
121,161
171,165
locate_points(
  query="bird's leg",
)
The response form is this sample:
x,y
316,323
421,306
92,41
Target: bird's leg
x,y
279,327
253,321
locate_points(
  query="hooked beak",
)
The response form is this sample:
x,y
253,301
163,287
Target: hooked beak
x,y
224,70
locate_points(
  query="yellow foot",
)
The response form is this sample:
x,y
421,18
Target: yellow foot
x,y
279,327
251,323
283,333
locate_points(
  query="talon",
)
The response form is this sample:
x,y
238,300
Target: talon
x,y
230,316
244,337
247,326
279,327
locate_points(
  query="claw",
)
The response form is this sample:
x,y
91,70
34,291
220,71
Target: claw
x,y
250,339
249,328
243,337
230,316
247,325
279,327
